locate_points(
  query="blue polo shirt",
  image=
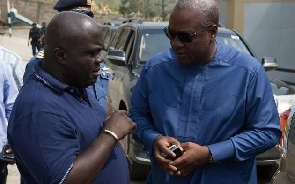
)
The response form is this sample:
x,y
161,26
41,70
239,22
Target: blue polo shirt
x,y
51,124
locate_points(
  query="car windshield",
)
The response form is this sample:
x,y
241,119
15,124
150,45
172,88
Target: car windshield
x,y
281,88
152,41
232,40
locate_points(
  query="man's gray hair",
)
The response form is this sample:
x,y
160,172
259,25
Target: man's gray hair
x,y
207,9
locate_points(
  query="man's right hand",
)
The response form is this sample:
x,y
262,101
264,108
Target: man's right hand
x,y
120,124
161,146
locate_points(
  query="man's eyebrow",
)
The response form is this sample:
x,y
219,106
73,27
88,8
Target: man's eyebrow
x,y
94,49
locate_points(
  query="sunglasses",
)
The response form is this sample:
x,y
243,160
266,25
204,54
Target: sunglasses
x,y
184,36
85,12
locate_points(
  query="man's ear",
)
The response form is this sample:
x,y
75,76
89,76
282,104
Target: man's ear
x,y
59,55
213,32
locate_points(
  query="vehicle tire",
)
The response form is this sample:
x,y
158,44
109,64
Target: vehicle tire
x,y
138,171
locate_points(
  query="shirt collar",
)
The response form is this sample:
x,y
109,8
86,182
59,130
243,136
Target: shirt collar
x,y
49,80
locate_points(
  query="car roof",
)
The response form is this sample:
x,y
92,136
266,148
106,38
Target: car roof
x,y
226,31
139,23
112,23
147,25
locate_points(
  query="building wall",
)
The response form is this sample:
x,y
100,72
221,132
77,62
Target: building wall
x,y
35,11
43,12
268,26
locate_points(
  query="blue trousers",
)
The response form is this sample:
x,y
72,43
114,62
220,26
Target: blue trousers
x,y
35,46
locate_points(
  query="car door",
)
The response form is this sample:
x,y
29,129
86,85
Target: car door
x,y
119,42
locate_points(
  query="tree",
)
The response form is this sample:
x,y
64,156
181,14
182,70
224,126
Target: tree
x,y
166,8
131,6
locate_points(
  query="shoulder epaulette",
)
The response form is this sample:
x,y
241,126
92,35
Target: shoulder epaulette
x,y
40,54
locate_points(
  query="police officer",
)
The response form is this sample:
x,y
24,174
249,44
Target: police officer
x,y
100,88
35,38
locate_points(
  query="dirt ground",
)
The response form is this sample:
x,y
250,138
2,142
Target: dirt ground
x,y
18,43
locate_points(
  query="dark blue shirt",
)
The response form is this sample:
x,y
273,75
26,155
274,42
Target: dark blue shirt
x,y
100,89
51,123
226,105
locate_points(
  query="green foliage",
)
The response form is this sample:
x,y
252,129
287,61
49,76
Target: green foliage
x,y
124,10
45,1
112,4
148,8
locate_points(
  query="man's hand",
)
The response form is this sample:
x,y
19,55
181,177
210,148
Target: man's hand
x,y
8,151
194,157
161,146
120,124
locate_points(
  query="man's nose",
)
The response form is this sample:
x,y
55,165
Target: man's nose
x,y
99,58
175,42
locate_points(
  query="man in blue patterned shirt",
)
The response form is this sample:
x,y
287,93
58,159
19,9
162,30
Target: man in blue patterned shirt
x,y
8,94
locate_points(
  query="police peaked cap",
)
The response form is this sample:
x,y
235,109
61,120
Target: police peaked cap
x,y
62,5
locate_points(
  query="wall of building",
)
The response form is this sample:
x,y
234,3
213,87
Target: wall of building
x,y
268,26
35,11
43,12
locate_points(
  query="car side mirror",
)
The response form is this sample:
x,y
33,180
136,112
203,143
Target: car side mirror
x,y
116,57
269,63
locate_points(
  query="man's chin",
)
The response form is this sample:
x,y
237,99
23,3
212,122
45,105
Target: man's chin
x,y
91,83
185,62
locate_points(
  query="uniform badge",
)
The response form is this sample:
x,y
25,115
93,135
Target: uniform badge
x,y
105,68
88,2
105,73
40,54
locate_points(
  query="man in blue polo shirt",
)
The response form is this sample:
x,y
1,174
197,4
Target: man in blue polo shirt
x,y
100,88
59,133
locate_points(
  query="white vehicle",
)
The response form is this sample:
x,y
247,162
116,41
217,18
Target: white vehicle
x,y
286,171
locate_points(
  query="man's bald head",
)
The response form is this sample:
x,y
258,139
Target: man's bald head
x,y
73,49
207,10
66,26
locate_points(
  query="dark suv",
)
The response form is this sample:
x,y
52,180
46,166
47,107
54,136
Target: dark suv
x,y
133,44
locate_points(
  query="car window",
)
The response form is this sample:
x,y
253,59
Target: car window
x,y
281,88
116,38
129,48
232,40
152,42
122,42
107,37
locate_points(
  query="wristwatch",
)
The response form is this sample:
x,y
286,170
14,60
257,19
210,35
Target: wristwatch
x,y
211,160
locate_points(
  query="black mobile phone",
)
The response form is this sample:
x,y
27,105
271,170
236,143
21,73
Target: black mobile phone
x,y
175,149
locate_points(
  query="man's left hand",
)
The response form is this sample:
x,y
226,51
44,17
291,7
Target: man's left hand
x,y
8,151
194,157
